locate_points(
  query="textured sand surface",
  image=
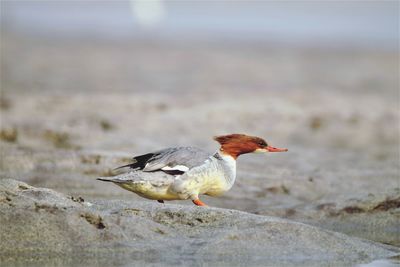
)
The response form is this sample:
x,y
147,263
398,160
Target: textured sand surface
x,y
38,223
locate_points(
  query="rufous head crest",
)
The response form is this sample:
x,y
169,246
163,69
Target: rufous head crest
x,y
237,144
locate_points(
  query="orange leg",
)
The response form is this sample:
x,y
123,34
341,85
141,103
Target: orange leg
x,y
198,202
160,201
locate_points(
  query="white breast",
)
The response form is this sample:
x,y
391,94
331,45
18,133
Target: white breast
x,y
214,177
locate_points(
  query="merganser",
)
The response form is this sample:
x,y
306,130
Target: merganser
x,y
181,173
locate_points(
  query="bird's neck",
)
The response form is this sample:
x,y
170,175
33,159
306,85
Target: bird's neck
x,y
229,164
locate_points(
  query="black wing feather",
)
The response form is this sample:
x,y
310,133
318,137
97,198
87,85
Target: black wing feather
x,y
155,161
140,162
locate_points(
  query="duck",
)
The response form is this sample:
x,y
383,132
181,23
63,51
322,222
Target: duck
x,y
187,172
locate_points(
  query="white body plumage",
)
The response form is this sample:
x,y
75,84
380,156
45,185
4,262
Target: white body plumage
x,y
214,177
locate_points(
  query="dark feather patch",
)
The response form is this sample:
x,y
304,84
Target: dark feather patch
x,y
173,172
140,162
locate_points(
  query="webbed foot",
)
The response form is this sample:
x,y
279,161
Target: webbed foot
x,y
198,202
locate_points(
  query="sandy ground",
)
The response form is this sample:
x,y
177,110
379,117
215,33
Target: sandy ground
x,y
42,227
72,110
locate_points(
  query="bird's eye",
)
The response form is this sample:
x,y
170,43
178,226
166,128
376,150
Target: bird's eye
x,y
262,143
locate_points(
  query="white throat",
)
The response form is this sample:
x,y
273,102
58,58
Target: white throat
x,y
230,168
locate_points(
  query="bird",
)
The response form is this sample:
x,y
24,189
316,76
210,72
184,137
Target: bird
x,y
183,173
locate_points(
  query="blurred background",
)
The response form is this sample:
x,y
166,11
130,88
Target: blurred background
x,y
85,85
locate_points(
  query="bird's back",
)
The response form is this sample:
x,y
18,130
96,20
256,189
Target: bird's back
x,y
154,173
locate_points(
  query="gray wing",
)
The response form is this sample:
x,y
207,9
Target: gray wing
x,y
159,179
175,160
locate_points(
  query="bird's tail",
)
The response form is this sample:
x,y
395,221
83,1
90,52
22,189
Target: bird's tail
x,y
130,165
107,179
123,178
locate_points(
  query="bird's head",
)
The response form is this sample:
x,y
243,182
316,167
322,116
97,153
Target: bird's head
x,y
238,144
